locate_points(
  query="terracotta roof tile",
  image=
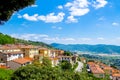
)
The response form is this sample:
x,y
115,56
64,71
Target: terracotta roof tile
x,y
95,68
116,75
43,48
15,52
107,68
22,60
3,66
115,71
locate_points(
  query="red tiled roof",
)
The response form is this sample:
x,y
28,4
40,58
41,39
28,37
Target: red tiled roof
x,y
43,48
95,68
115,71
29,58
91,63
5,47
3,66
14,52
28,46
22,60
107,68
116,75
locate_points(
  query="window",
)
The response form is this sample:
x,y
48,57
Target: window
x,y
1,59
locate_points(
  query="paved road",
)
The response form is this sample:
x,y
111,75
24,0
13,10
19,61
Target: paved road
x,y
79,68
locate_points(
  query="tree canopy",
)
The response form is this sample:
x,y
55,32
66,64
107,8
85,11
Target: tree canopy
x,y
5,39
8,7
46,62
65,65
67,53
32,72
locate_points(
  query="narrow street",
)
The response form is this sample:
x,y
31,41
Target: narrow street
x,y
79,68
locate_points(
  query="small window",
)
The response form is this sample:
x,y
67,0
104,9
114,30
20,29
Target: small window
x,y
1,59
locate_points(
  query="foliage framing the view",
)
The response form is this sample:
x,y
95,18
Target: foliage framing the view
x,y
8,7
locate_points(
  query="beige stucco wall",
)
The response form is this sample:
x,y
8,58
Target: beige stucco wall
x,y
33,52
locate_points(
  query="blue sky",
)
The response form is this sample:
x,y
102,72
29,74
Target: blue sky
x,y
68,22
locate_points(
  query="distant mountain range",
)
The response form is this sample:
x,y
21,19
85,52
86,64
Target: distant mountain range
x,y
100,48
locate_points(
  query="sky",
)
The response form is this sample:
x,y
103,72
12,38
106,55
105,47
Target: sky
x,y
67,22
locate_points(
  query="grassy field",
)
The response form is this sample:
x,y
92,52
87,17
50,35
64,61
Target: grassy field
x,y
5,74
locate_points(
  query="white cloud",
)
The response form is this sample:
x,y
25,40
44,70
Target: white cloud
x,y
55,27
71,19
100,38
60,7
77,8
59,28
115,24
101,18
24,24
78,12
34,37
59,40
78,3
85,39
52,18
68,39
30,18
99,3
34,5
51,39
19,16
42,37
118,38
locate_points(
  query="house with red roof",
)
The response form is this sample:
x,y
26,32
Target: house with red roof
x,y
96,70
8,56
16,63
116,76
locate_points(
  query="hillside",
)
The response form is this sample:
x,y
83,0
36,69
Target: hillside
x,y
101,48
6,39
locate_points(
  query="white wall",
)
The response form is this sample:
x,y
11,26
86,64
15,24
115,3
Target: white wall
x,y
14,56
